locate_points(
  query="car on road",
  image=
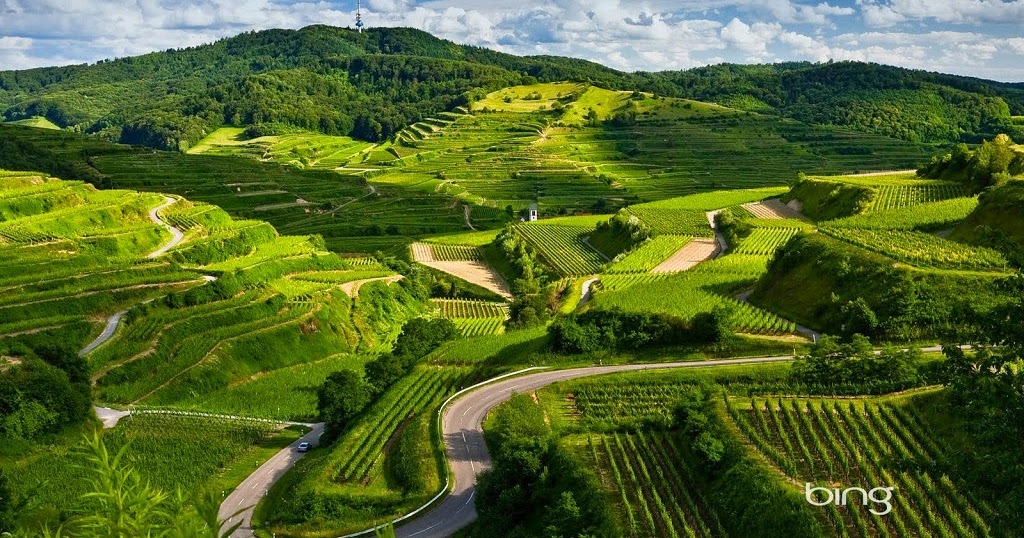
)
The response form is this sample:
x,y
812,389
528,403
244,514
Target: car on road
x,y
304,447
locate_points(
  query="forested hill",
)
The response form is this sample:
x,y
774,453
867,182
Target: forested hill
x,y
902,103
370,85
321,78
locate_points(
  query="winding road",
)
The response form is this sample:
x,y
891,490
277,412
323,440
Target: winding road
x,y
462,426
107,334
240,503
176,235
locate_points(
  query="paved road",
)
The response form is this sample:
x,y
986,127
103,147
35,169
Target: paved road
x,y
107,334
585,292
239,505
176,235
462,425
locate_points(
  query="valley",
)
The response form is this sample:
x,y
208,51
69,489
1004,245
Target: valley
x,y
544,298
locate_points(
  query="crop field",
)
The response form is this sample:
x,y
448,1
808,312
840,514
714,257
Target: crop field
x,y
649,255
169,451
351,475
474,317
562,248
687,294
921,249
765,241
927,216
839,444
709,201
469,308
653,489
426,252
899,196
693,253
674,221
282,394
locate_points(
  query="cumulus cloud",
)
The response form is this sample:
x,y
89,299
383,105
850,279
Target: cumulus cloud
x,y
624,34
890,12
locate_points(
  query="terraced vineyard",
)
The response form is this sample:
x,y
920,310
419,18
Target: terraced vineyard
x,y
900,196
474,317
921,249
562,247
764,241
687,294
649,255
926,216
653,488
689,222
864,442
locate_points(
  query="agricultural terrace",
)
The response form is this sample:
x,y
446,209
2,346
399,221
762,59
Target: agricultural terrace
x,y
564,248
474,317
921,249
462,261
865,441
901,189
170,452
359,478
233,302
649,255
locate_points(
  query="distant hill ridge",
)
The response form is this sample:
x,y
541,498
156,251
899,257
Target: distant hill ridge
x,y
371,85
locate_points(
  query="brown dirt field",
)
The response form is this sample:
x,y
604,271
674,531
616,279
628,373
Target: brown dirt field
x,y
694,252
478,273
772,209
422,252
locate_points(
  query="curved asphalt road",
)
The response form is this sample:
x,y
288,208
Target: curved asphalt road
x,y
239,505
462,426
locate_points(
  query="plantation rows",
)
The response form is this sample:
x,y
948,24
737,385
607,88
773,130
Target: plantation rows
x,y
900,196
650,254
930,216
674,221
765,241
361,449
687,294
470,308
480,326
921,249
455,253
342,276
869,445
654,488
563,249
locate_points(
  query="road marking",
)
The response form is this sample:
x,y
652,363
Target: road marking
x,y
468,409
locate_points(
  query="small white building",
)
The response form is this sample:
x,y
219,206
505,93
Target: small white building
x,y
533,212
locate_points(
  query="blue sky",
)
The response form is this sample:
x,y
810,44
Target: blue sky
x,y
983,38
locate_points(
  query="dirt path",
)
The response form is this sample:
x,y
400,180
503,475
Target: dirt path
x,y
586,293
465,214
352,288
176,235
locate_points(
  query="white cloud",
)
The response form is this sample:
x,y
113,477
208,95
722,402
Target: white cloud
x,y
890,12
625,34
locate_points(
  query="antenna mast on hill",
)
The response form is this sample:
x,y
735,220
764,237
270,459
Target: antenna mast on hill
x,y
359,16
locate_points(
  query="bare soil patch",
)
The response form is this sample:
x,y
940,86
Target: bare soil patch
x,y
694,252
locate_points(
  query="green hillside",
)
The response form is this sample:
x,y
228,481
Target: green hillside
x,y
373,84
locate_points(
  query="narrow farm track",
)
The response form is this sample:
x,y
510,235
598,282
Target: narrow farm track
x,y
352,288
176,235
585,293
107,334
